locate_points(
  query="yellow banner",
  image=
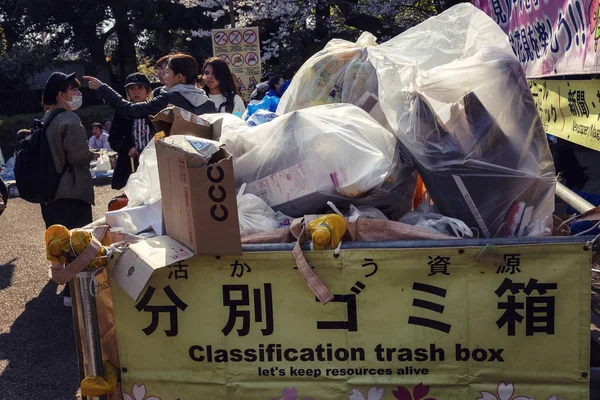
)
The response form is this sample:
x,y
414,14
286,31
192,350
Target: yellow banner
x,y
569,109
405,324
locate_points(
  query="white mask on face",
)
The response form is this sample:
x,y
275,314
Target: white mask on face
x,y
75,103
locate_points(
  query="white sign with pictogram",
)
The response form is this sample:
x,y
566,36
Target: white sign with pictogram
x,y
240,49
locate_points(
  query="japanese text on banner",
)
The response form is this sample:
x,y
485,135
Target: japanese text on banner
x,y
552,37
569,109
401,321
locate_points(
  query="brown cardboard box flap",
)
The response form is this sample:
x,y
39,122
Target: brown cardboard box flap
x,y
177,121
194,158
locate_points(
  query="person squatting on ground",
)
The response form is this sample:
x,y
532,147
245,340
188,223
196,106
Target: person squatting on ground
x,y
99,139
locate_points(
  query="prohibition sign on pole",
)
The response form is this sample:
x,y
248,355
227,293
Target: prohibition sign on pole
x,y
249,37
235,37
237,60
225,58
251,59
221,38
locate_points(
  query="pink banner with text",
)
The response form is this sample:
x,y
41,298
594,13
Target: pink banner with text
x,y
550,37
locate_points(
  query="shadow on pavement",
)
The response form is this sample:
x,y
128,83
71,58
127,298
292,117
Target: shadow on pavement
x,y
6,273
40,350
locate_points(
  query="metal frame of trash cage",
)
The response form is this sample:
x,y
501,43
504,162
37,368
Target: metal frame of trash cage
x,y
86,305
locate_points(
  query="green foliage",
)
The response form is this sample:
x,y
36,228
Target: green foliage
x,y
3,42
123,35
89,115
20,63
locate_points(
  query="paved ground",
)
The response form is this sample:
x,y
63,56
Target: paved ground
x,y
37,350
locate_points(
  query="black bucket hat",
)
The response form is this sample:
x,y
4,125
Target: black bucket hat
x,y
53,85
137,78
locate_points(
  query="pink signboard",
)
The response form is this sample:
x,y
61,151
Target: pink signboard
x,y
550,37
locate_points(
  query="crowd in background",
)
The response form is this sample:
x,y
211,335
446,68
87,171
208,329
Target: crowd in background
x,y
210,90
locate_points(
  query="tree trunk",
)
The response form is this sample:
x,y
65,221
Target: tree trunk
x,y
95,46
126,53
232,13
322,14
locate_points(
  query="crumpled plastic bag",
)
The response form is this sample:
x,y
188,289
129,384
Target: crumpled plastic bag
x,y
283,221
254,214
103,163
427,217
334,152
354,213
58,243
143,186
457,98
261,117
268,103
235,133
340,73
63,245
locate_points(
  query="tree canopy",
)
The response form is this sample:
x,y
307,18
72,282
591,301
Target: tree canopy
x,y
122,34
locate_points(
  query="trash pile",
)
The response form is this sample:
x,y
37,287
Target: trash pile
x,y
445,104
432,135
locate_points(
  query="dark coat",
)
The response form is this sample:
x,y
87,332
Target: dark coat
x,y
150,108
121,140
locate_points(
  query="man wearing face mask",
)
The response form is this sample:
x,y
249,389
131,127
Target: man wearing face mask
x,y
67,139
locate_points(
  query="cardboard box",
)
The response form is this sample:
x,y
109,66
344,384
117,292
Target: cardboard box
x,y
199,203
138,262
177,121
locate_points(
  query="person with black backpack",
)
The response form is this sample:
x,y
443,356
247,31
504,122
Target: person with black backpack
x,y
52,165
67,140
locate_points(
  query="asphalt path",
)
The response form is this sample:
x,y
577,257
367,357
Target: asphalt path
x,y
37,348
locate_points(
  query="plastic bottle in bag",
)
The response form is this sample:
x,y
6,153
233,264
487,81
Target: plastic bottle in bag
x,y
327,231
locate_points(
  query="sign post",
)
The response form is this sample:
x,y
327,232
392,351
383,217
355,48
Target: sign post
x,y
240,49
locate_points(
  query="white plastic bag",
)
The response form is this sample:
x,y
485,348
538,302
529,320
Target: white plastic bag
x,y
143,186
340,73
254,214
234,132
457,98
103,163
354,213
426,216
335,152
260,117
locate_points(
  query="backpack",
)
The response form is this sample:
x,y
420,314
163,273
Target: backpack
x,y
36,176
228,104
